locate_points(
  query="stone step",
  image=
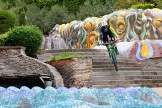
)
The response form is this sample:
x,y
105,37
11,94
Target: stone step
x,y
73,50
126,73
123,82
112,65
128,85
119,68
83,53
128,77
119,60
95,64
131,69
91,55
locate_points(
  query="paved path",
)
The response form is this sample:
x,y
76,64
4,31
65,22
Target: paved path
x,y
158,90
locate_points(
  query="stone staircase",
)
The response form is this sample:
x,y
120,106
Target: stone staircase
x,y
104,74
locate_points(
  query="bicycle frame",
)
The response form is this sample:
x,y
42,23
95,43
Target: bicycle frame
x,y
111,51
112,54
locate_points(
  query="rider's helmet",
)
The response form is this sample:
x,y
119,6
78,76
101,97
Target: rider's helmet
x,y
105,25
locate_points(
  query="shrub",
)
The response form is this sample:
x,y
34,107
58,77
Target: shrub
x,y
143,6
28,36
3,38
7,20
65,55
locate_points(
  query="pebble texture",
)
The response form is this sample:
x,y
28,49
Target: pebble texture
x,y
76,73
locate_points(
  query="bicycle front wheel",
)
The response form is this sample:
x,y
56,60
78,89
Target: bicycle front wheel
x,y
114,62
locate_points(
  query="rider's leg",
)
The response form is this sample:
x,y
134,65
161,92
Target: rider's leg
x,y
116,49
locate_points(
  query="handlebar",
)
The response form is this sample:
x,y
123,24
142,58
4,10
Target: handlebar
x,y
112,41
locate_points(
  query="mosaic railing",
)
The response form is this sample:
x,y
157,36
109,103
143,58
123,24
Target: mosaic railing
x,y
132,97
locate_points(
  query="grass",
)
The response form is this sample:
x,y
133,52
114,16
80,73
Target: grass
x,y
65,55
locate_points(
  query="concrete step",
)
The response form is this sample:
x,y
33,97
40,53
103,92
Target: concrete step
x,y
128,77
128,85
123,82
125,73
93,55
112,65
132,68
74,50
83,53
119,60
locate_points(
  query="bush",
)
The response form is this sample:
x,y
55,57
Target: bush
x,y
3,38
143,6
28,36
7,20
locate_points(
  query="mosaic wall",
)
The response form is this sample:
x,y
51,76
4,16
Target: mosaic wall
x,y
129,24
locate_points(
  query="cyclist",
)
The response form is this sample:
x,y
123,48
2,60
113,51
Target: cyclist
x,y
107,33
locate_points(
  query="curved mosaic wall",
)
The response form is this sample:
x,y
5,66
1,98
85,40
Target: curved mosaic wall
x,y
132,97
129,24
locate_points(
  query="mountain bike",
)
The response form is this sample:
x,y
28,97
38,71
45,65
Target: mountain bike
x,y
112,53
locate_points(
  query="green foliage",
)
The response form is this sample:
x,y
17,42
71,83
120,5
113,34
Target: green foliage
x,y
65,55
36,16
3,38
10,3
157,3
73,5
125,4
28,36
57,15
95,8
22,19
45,3
143,6
19,10
3,5
7,20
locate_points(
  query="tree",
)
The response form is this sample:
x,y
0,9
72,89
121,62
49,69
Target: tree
x,y
73,5
95,8
57,15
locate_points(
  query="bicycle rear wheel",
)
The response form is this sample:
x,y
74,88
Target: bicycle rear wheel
x,y
114,62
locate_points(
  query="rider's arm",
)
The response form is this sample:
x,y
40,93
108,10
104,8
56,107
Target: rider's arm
x,y
101,34
113,32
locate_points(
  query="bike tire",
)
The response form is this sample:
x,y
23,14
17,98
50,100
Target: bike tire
x,y
114,62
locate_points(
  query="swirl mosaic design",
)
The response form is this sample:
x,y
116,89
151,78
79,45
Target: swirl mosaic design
x,y
130,25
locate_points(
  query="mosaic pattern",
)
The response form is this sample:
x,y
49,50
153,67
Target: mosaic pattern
x,y
141,97
141,50
130,25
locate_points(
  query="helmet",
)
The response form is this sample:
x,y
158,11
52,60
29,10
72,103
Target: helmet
x,y
104,23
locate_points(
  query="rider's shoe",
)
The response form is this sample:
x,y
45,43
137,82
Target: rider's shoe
x,y
116,50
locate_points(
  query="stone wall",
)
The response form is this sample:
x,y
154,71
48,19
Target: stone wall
x,y
14,63
76,72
